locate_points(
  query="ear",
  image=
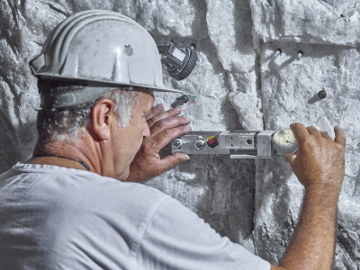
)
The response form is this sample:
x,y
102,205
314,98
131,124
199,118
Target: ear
x,y
102,117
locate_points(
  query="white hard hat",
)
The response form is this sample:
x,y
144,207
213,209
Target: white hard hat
x,y
104,48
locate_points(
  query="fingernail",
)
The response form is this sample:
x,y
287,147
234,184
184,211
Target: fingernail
x,y
187,128
178,109
186,158
188,119
159,105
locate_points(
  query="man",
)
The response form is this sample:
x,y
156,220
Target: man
x,y
65,208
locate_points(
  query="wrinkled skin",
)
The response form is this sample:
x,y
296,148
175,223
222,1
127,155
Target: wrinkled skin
x,y
319,164
164,127
319,160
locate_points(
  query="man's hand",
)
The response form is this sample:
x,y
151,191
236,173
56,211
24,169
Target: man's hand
x,y
319,165
164,127
319,161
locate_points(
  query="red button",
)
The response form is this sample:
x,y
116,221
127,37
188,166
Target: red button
x,y
212,142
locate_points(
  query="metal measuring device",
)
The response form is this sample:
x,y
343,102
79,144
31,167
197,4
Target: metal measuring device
x,y
239,144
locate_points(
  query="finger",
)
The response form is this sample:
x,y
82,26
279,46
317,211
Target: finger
x,y
325,135
313,131
290,158
340,136
169,123
165,137
171,161
168,114
300,132
157,109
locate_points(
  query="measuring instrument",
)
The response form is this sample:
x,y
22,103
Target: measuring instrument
x,y
239,144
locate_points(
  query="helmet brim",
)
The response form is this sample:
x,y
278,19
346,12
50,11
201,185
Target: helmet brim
x,y
109,83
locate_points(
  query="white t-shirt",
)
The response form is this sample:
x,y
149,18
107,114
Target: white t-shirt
x,y
58,218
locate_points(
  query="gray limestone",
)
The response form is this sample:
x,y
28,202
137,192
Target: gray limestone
x,y
289,94
318,21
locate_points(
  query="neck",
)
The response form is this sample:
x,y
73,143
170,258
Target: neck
x,y
72,159
64,154
98,155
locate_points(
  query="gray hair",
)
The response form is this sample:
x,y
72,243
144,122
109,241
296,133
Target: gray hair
x,y
64,123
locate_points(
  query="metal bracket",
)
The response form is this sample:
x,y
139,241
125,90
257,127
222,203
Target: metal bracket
x,y
239,144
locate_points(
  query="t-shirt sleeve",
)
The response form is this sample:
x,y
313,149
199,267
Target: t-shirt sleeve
x,y
176,238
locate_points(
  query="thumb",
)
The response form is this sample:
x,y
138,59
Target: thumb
x,y
173,160
290,158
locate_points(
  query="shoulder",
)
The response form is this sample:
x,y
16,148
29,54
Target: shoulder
x,y
65,190
93,191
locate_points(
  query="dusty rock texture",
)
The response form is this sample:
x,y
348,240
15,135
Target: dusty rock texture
x,y
289,93
319,21
238,84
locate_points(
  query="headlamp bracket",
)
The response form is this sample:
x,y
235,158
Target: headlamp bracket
x,y
178,59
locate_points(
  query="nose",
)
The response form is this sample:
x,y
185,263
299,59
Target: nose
x,y
146,131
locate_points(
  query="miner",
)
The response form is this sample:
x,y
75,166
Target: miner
x,y
74,205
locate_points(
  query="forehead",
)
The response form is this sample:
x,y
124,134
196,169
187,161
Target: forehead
x,y
145,100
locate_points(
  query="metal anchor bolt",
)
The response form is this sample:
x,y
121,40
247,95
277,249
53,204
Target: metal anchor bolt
x,y
184,99
299,55
322,94
276,53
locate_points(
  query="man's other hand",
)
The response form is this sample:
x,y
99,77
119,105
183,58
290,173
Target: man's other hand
x,y
164,127
319,161
319,164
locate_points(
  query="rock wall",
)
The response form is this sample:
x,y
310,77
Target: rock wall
x,y
327,34
238,85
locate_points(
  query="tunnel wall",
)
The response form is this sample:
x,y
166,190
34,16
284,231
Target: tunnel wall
x,y
238,85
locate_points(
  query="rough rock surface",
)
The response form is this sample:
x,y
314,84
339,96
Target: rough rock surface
x,y
233,40
289,94
238,85
318,21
